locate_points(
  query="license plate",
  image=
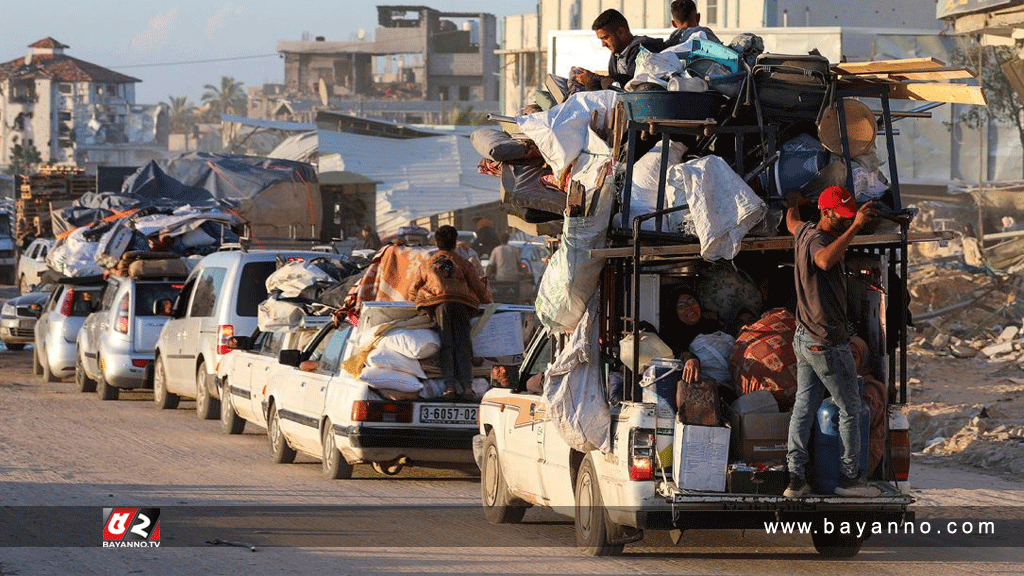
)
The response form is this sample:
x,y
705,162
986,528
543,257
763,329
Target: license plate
x,y
447,414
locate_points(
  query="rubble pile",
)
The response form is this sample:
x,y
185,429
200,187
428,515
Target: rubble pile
x,y
981,436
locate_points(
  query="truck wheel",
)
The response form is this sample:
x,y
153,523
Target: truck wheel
x,y
591,520
207,407
85,384
230,421
334,464
835,545
103,388
163,399
494,492
280,451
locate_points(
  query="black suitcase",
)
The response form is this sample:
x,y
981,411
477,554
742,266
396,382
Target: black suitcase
x,y
793,88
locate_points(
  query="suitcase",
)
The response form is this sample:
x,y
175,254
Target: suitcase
x,y
793,88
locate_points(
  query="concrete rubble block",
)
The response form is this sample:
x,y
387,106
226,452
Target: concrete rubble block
x,y
997,349
940,341
1008,333
964,351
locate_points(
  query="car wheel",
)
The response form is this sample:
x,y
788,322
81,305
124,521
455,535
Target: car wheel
x,y
207,407
835,545
85,384
334,464
103,388
591,520
499,507
230,421
48,374
37,367
14,347
280,451
163,399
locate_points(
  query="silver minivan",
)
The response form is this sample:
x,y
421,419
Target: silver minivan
x,y
116,343
220,299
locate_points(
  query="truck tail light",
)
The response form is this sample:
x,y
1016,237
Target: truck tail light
x,y
121,325
642,444
67,304
225,332
370,411
899,454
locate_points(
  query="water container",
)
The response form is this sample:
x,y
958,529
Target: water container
x,y
826,448
659,388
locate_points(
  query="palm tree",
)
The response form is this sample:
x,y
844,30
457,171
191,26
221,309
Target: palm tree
x,y
229,98
181,113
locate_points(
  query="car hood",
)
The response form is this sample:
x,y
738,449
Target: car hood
x,y
29,299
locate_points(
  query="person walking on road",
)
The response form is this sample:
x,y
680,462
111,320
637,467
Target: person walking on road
x,y
449,290
503,265
371,241
822,342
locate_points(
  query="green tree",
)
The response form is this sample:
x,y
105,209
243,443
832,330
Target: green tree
x,y
181,114
23,159
1004,103
229,98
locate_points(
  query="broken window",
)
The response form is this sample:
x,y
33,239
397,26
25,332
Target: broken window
x,y
463,93
23,91
65,88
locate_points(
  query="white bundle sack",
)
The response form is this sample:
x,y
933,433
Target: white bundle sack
x,y
561,133
713,351
419,344
384,358
390,379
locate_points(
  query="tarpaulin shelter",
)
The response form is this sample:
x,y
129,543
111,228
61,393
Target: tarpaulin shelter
x,y
279,198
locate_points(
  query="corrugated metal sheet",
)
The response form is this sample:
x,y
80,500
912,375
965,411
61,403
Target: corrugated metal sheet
x,y
949,8
416,177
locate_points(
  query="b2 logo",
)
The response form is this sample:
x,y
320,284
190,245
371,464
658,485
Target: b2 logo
x,y
131,527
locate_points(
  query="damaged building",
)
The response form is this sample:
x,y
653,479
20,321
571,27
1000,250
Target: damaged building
x,y
74,111
419,55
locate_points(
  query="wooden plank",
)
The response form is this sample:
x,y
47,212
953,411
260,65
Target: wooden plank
x,y
952,93
888,66
945,74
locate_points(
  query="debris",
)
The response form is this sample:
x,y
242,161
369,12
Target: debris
x,y
219,542
997,349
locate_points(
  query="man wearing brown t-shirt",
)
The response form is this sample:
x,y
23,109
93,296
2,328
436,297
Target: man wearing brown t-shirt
x,y
821,342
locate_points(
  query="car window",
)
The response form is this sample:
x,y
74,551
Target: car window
x,y
539,362
331,359
43,249
271,345
252,287
33,250
86,301
147,294
54,298
207,287
108,295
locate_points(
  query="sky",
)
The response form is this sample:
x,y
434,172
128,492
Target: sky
x,y
130,36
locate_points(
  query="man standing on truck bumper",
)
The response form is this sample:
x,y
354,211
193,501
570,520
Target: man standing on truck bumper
x,y
821,342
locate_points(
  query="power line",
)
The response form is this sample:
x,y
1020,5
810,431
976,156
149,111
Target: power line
x,y
184,62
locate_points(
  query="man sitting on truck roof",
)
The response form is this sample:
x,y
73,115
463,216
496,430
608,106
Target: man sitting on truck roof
x,y
686,21
821,342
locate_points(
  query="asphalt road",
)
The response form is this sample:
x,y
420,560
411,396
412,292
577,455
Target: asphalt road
x,y
64,456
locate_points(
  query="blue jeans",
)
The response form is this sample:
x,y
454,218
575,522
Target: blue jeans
x,y
823,367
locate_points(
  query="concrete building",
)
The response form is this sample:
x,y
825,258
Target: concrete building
x,y
417,54
994,17
74,111
526,53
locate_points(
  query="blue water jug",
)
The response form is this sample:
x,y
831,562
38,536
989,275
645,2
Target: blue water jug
x,y
826,448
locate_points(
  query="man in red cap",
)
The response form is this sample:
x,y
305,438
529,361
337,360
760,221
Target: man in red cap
x,y
821,342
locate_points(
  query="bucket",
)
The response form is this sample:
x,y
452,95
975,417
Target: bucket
x,y
659,388
826,448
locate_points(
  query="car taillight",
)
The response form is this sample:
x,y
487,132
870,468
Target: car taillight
x,y
369,411
140,363
899,454
121,324
68,303
642,443
226,332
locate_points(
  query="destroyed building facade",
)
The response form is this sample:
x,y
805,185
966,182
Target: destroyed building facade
x,y
73,111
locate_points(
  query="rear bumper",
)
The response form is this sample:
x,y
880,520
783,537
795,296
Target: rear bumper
x,y
119,371
422,445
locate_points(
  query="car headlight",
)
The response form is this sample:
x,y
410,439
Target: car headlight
x,y
8,310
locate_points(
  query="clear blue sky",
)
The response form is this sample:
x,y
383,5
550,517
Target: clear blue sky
x,y
123,34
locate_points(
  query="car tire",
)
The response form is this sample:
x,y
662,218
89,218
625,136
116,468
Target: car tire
x,y
835,545
85,384
104,388
207,407
591,519
280,451
37,367
499,505
335,466
14,347
48,374
164,399
230,421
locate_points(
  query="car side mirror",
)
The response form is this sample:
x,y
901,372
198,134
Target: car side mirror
x,y
289,357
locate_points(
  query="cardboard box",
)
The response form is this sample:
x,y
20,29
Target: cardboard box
x,y
760,437
500,337
700,457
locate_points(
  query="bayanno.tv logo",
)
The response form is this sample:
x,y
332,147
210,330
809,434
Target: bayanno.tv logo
x,y
131,527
